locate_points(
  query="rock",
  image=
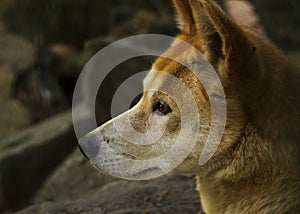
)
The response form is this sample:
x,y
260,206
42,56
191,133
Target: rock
x,y
70,58
27,158
39,89
74,179
16,52
28,83
14,116
173,194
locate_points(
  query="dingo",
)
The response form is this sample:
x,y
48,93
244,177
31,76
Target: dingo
x,y
256,168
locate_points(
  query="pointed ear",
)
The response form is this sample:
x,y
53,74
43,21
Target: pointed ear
x,y
221,35
185,17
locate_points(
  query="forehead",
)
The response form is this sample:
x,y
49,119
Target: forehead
x,y
183,49
169,79
159,76
169,63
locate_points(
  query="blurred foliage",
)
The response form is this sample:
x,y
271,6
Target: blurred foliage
x,y
68,21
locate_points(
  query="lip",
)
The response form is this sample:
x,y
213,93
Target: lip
x,y
135,176
146,172
117,164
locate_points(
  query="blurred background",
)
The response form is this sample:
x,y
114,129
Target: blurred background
x,y
43,47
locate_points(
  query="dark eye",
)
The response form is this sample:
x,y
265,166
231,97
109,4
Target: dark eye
x,y
162,107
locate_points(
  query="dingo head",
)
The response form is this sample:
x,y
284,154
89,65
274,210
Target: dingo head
x,y
158,116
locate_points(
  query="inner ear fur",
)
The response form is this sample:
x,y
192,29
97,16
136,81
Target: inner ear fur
x,y
207,31
235,44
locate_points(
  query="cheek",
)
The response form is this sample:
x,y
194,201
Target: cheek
x,y
174,126
158,126
157,121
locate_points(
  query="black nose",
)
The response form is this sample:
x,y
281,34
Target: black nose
x,y
83,152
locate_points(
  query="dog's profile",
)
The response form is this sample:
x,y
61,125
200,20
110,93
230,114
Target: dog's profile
x,y
256,168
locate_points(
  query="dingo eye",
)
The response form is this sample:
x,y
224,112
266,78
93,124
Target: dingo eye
x,y
162,107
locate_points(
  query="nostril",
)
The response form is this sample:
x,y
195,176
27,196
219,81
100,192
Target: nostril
x,y
106,140
83,152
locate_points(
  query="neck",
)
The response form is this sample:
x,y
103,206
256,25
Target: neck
x,y
249,178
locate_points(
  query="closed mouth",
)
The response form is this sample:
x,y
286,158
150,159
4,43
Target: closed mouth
x,y
146,171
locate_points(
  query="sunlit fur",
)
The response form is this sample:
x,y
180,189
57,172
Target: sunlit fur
x,y
257,167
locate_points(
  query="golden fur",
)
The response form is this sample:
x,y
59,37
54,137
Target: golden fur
x,y
258,171
256,168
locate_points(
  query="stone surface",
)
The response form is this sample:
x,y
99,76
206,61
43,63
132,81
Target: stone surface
x,y
14,116
74,179
173,194
39,89
16,52
27,158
